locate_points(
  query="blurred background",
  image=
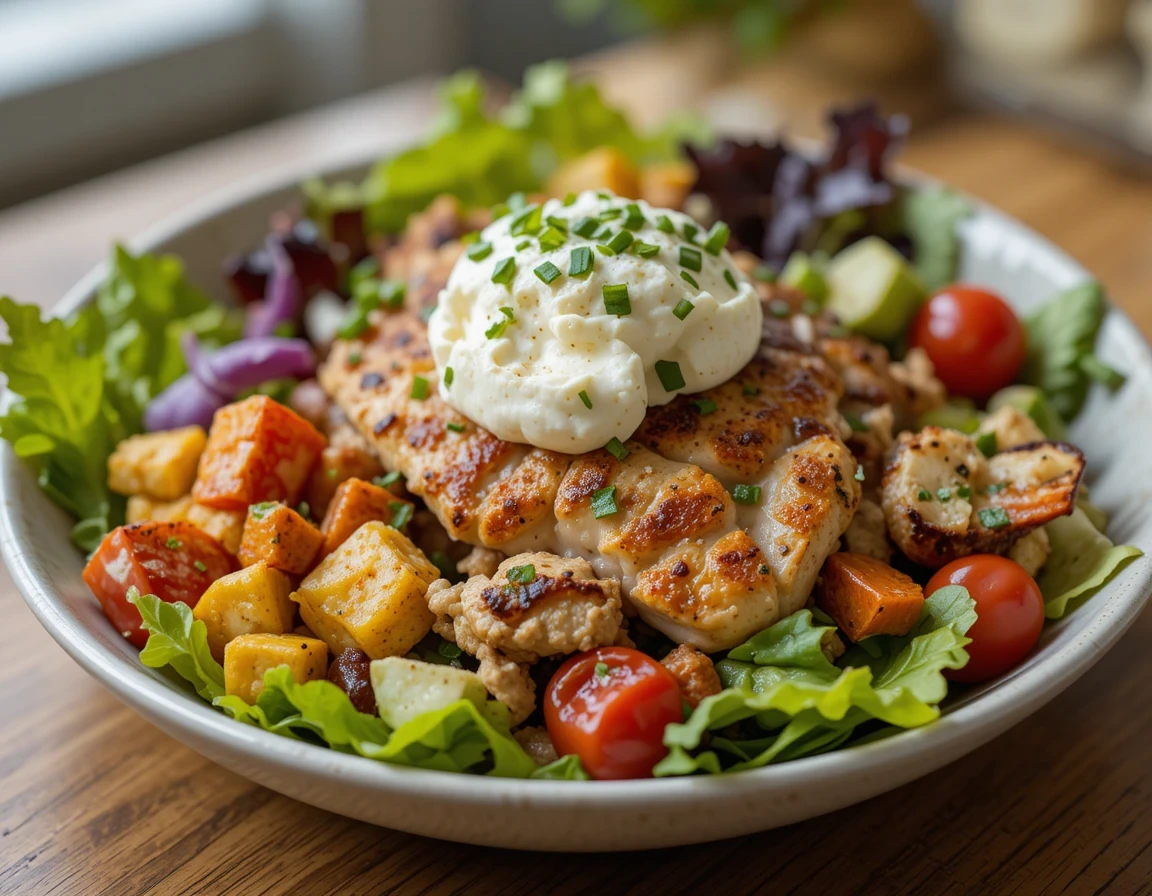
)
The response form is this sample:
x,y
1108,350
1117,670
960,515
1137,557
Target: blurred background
x,y
89,86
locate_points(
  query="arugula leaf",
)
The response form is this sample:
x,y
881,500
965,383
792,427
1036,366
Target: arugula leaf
x,y
176,639
1061,338
805,704
929,217
1081,562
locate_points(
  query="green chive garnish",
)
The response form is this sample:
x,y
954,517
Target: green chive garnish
x,y
620,241
669,375
547,272
173,543
746,494
387,479
584,398
749,389
944,494
497,329
616,299
633,219
604,502
560,224
996,488
449,375
731,280
552,239
419,388
689,279
994,517
522,575
585,227
690,231
924,495
455,427
987,444
479,251
964,492
580,262
610,214
691,258
602,671
617,448
683,309
401,514
522,245
200,567
529,222
472,236
764,274
504,271
569,199
705,406
717,238
664,223
645,250
856,423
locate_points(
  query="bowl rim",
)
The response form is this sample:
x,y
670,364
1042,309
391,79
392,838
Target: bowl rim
x,y
967,723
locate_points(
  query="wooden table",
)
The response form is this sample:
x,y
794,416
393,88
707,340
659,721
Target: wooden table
x,y
94,800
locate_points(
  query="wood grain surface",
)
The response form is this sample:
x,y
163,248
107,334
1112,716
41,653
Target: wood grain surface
x,y
93,800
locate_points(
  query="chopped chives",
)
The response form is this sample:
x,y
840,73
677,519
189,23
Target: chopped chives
x,y
620,242
473,236
560,224
580,262
401,514
987,443
669,375
996,488
455,427
964,491
479,251
604,250
354,326
645,250
604,502
994,517
690,231
616,300
691,258
856,424
749,389
522,245
605,195
944,494
683,309
764,273
746,494
585,227
200,566
717,238
504,271
617,448
547,272
705,406
664,223
603,673
633,218
584,398
689,279
419,388
391,294
354,359
497,329
449,375
529,222
924,495
522,575
731,280
569,199
610,214
387,479
552,238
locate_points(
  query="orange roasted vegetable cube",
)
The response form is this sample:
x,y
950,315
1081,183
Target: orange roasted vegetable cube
x,y
605,168
355,503
868,597
258,450
348,456
280,537
666,184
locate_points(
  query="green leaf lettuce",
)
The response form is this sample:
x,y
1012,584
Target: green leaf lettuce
x,y
1081,562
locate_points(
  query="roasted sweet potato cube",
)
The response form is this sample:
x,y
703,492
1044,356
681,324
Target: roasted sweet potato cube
x,y
355,503
253,600
342,460
606,168
226,526
158,465
666,184
258,450
868,597
248,657
277,535
369,594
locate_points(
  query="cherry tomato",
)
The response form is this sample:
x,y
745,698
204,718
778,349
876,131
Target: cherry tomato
x,y
174,561
609,706
975,341
1009,613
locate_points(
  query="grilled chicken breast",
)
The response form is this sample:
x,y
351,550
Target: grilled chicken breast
x,y
697,566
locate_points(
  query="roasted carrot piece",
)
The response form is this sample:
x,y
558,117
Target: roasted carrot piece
x,y
868,597
280,537
258,450
339,462
355,503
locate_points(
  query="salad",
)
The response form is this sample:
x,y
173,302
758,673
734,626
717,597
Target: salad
x,y
554,449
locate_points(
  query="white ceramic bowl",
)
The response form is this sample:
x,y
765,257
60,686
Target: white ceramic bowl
x,y
575,816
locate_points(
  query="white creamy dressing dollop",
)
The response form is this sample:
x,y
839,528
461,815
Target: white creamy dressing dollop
x,y
525,384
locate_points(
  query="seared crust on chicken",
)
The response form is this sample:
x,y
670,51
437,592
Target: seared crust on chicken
x,y
942,499
697,566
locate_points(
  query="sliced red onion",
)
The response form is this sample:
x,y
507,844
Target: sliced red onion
x,y
250,362
281,296
186,402
199,365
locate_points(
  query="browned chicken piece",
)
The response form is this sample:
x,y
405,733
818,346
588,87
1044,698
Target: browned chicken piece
x,y
480,562
694,672
696,565
943,499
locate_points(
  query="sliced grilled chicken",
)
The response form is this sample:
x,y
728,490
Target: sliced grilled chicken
x,y
696,565
943,499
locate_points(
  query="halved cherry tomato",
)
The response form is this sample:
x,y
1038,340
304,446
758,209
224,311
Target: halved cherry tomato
x,y
174,561
609,706
975,341
1009,613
